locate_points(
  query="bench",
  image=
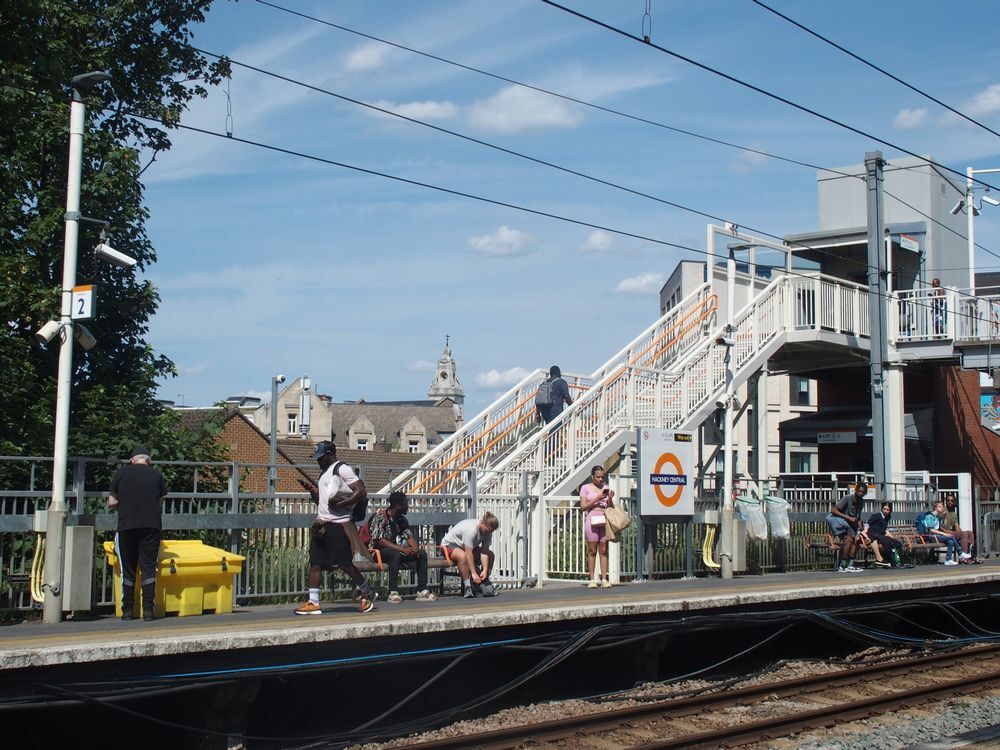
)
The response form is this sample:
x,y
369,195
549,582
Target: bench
x,y
438,558
824,543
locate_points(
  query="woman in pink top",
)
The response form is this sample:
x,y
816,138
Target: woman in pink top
x,y
594,498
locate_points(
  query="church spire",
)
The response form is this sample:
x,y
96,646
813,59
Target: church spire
x,y
445,383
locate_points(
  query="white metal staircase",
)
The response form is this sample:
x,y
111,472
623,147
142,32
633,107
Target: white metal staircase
x,y
509,424
684,394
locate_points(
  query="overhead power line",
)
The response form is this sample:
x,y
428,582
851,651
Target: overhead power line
x,y
575,100
755,88
875,67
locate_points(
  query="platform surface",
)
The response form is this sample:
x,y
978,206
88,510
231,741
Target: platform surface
x,y
33,644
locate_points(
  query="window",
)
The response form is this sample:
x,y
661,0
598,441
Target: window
x,y
800,394
413,446
293,423
800,462
363,444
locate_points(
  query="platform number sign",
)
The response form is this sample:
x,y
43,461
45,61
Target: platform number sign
x,y
666,472
83,302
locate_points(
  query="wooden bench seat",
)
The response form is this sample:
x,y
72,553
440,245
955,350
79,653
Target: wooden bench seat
x,y
824,543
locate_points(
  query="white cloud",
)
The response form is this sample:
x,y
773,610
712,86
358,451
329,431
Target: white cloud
x,y
367,58
516,109
747,161
419,110
503,243
643,283
986,102
599,241
498,379
420,365
908,119
190,369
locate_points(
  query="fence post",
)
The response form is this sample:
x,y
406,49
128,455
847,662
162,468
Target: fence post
x,y
524,504
79,485
473,483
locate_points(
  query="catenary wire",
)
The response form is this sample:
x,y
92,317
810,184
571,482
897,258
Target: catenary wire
x,y
875,67
594,106
750,86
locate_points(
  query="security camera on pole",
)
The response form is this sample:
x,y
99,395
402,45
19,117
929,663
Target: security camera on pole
x,y
272,469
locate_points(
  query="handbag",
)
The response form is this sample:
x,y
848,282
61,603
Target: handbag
x,y
597,517
617,519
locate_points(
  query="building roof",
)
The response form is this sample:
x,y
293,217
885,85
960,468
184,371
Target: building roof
x,y
194,419
376,466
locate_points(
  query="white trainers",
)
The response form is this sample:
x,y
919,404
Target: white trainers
x,y
964,556
426,596
849,569
951,562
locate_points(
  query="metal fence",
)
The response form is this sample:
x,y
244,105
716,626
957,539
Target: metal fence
x,y
538,538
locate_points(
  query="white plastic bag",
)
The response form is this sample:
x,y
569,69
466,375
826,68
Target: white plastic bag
x,y
752,514
777,516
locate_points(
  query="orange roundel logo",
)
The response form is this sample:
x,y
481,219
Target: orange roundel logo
x,y
677,480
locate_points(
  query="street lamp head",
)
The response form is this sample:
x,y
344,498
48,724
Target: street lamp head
x,y
957,208
86,81
991,200
104,251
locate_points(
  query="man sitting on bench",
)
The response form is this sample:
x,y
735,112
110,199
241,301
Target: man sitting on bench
x,y
468,546
392,537
845,525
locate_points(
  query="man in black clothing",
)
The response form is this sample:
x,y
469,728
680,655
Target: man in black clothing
x,y
878,532
137,491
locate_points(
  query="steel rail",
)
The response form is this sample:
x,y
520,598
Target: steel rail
x,y
510,737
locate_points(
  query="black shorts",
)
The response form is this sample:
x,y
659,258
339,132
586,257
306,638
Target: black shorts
x,y
330,546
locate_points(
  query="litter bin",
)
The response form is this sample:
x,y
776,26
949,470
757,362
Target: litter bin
x,y
777,516
752,513
192,578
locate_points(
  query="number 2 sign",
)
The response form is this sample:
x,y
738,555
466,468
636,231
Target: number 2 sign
x,y
83,302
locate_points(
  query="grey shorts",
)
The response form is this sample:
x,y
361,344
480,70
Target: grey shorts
x,y
839,527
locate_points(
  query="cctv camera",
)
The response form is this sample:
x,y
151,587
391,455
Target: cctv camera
x,y
724,340
991,200
48,332
85,337
108,253
720,403
957,208
279,378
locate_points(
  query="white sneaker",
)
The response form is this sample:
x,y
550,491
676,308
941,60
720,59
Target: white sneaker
x,y
964,556
951,562
849,569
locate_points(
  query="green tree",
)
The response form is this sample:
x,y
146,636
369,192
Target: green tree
x,y
43,44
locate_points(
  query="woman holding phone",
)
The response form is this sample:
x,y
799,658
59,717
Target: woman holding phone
x,y
595,496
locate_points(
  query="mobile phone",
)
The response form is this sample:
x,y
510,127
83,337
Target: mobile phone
x,y
605,493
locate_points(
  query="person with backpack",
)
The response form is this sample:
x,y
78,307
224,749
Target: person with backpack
x,y
391,536
551,396
884,542
332,544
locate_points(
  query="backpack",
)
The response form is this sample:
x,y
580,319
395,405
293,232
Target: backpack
x,y
543,398
365,531
360,509
921,523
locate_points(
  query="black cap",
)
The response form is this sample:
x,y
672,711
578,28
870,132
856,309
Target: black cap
x,y
323,448
139,450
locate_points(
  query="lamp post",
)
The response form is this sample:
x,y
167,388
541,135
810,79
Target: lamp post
x,y
970,212
272,468
56,516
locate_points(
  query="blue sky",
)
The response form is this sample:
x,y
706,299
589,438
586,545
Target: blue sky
x,y
271,263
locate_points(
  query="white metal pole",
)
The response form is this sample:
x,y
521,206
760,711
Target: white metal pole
x,y
970,212
272,468
56,517
726,546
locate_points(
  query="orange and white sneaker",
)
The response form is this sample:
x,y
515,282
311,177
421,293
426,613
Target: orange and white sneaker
x,y
367,602
309,608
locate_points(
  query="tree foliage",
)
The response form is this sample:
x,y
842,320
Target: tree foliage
x,y
43,45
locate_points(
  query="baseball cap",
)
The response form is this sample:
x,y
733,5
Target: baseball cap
x,y
322,448
139,450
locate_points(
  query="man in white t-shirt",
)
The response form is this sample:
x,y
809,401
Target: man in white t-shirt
x,y
331,546
468,546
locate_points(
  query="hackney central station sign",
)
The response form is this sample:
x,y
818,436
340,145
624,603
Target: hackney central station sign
x,y
666,472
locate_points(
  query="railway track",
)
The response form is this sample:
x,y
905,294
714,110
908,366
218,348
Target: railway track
x,y
715,720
